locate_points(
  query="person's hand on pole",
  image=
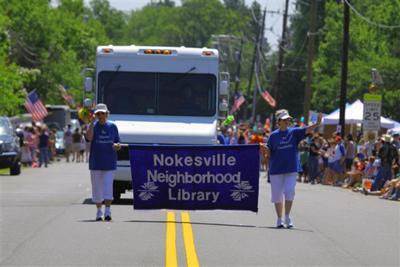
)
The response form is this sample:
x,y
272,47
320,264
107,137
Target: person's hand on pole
x,y
89,133
116,146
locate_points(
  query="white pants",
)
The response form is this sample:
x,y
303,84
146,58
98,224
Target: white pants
x,y
102,185
283,184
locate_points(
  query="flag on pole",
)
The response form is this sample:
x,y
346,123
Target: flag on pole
x,y
267,125
67,97
267,97
238,101
35,107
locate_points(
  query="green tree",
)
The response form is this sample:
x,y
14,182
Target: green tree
x,y
154,25
114,21
52,45
11,82
370,47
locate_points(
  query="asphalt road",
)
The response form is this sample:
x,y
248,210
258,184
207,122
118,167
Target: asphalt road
x,y
47,219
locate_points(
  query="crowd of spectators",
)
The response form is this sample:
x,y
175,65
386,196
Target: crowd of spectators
x,y
369,165
38,145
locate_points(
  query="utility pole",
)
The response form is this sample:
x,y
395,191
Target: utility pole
x,y
345,52
239,59
246,110
253,110
311,37
276,85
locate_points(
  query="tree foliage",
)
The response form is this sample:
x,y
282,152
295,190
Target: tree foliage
x,y
370,47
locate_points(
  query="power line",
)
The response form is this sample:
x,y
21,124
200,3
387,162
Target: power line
x,y
297,55
370,21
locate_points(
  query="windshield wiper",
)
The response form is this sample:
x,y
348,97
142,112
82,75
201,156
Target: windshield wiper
x,y
181,77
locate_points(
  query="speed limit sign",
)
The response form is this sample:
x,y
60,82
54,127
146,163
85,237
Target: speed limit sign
x,y
372,112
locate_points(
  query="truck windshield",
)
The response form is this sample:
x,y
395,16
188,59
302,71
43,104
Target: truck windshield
x,y
147,93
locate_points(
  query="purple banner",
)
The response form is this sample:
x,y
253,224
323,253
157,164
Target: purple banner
x,y
195,177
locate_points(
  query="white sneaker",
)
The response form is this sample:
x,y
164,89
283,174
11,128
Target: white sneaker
x,y
279,223
107,216
288,222
99,215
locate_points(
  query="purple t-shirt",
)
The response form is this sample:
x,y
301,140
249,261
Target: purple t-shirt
x,y
102,155
284,153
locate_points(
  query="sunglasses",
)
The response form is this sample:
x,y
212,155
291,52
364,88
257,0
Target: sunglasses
x,y
100,113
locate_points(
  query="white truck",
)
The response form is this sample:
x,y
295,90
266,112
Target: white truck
x,y
160,95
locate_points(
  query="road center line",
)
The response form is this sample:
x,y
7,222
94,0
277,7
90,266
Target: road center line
x,y
170,243
190,249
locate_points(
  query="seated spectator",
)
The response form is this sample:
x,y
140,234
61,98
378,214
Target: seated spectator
x,y
371,169
388,155
387,191
355,174
396,192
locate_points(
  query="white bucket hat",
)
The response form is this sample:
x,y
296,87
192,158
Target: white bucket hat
x,y
101,108
282,114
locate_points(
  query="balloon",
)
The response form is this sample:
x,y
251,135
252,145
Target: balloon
x,y
229,120
84,115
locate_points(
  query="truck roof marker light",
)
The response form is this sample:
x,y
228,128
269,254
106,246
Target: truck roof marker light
x,y
207,53
107,50
158,51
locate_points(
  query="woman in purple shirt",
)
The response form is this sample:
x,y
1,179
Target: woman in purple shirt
x,y
284,162
104,139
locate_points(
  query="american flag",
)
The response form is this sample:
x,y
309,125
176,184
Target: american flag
x,y
35,106
68,98
268,98
238,101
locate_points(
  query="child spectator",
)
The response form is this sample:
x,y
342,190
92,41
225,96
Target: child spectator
x,y
26,155
82,147
76,145
355,174
371,169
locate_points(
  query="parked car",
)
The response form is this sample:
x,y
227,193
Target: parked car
x,y
60,142
10,151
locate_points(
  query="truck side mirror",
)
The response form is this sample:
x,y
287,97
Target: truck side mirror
x,y
223,106
224,78
224,88
88,84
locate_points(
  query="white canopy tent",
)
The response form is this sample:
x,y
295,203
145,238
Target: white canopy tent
x,y
353,115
